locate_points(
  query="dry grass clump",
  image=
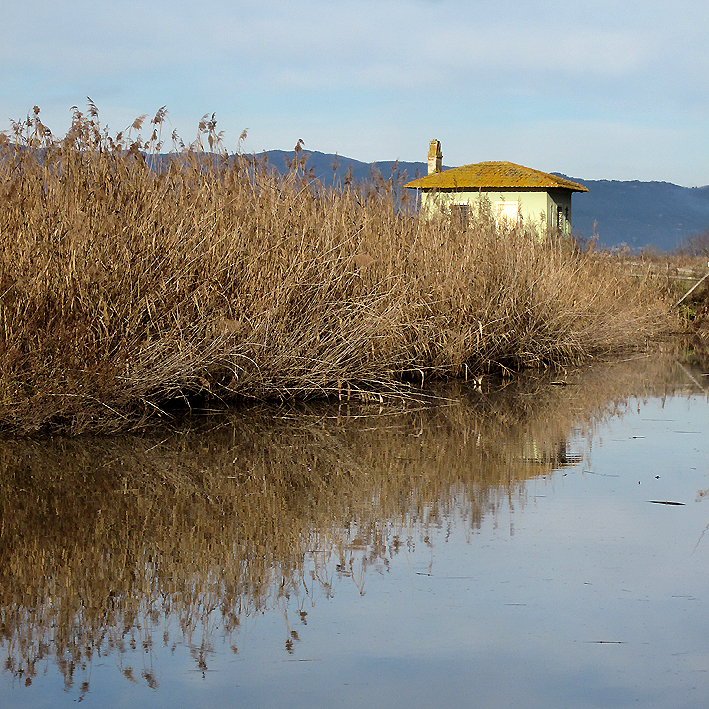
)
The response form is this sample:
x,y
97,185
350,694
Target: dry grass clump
x,y
129,282
681,277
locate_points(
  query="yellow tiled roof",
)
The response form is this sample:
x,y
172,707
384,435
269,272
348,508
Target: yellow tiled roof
x,y
494,175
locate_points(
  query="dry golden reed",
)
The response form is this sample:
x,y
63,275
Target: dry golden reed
x,y
131,282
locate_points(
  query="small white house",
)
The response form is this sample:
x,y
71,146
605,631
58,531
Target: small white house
x,y
515,192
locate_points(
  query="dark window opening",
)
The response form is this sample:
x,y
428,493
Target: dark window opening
x,y
460,213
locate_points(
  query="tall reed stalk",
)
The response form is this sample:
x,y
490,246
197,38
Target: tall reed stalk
x,y
130,282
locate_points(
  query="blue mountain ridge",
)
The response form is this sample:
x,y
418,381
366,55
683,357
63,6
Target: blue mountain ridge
x,y
658,215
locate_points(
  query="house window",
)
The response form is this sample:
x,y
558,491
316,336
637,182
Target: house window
x,y
460,214
507,212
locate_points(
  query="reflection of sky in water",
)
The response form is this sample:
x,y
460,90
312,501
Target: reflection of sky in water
x,y
518,620
584,595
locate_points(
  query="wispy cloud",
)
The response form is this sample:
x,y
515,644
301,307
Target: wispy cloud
x,y
373,68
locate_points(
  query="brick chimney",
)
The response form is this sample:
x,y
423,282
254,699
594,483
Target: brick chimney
x,y
435,157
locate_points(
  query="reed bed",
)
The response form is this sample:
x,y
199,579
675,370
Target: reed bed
x,y
131,283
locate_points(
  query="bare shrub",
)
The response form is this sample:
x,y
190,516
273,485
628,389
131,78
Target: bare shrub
x,y
697,245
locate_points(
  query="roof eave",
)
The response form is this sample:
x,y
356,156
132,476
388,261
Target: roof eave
x,y
472,188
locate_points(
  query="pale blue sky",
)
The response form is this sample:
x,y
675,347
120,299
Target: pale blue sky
x,y
594,89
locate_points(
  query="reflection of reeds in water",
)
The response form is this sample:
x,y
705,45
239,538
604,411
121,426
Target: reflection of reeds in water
x,y
126,543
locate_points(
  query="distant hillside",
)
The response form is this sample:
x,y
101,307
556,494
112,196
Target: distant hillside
x,y
639,214
322,166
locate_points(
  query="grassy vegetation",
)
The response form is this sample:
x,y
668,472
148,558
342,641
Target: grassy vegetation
x,y
125,289
682,278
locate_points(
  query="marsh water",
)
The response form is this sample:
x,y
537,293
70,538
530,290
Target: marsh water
x,y
535,542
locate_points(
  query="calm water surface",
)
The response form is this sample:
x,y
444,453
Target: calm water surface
x,y
511,549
